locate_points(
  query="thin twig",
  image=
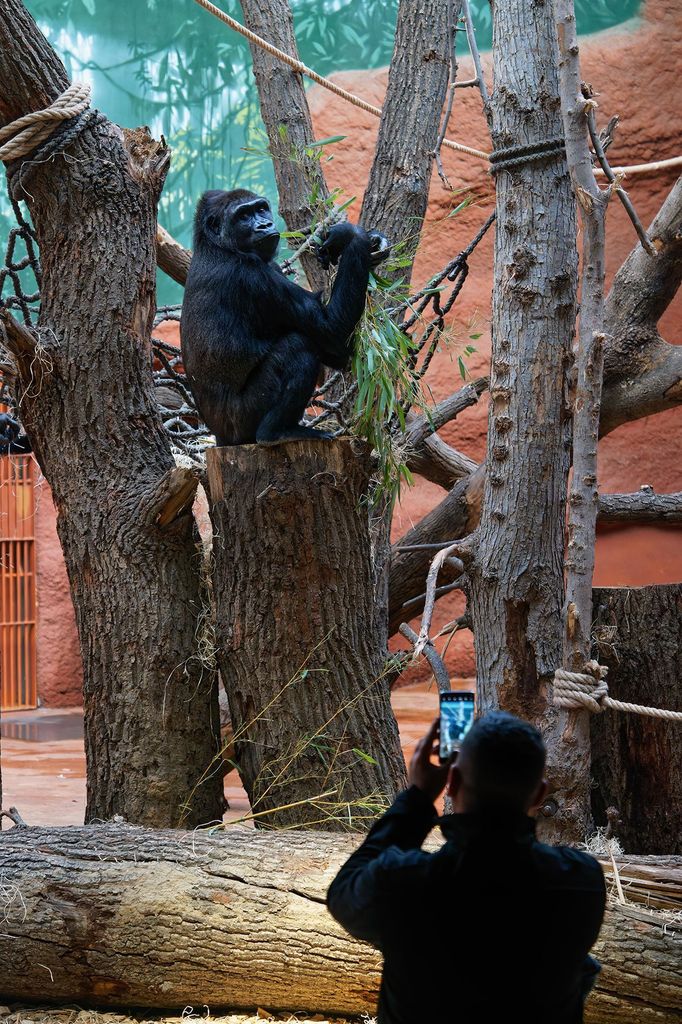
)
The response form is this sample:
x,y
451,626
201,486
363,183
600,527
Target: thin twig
x,y
475,55
439,592
332,218
611,177
448,554
13,815
426,547
440,672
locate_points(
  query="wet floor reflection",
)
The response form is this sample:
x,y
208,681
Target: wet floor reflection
x,y
43,763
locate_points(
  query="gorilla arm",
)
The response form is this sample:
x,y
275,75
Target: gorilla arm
x,y
329,327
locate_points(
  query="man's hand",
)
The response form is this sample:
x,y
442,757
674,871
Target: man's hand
x,y
423,773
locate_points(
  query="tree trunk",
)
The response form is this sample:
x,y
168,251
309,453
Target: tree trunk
x,y
122,916
397,192
637,761
86,400
300,182
306,680
517,575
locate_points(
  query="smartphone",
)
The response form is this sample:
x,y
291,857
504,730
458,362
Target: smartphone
x,y
456,718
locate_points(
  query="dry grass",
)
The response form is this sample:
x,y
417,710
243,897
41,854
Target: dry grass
x,y
74,1015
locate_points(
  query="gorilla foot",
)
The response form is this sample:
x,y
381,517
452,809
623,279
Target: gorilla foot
x,y
293,434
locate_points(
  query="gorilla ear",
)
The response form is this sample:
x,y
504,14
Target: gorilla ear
x,y
212,228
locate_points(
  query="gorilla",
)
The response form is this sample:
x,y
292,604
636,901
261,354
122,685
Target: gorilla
x,y
252,340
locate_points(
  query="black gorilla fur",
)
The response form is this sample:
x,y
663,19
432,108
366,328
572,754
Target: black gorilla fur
x,y
12,441
252,340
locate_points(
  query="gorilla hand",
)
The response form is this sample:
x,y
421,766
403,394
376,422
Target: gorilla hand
x,y
381,248
338,238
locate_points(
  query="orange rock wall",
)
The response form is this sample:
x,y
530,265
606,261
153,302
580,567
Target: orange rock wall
x,y
59,669
635,69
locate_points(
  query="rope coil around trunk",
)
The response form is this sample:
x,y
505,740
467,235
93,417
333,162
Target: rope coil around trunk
x,y
589,691
517,156
21,137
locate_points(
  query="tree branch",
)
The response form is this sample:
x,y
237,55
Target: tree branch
x,y
645,285
436,461
440,672
642,372
576,106
611,177
451,520
171,496
644,506
447,410
172,257
18,339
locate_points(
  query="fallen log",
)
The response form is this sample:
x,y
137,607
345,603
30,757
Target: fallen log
x,y
119,915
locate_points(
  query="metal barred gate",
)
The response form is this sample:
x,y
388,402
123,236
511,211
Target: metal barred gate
x,y
17,584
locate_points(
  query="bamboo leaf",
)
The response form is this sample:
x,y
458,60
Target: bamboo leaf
x,y
363,756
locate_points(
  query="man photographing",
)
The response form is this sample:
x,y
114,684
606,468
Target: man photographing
x,y
492,927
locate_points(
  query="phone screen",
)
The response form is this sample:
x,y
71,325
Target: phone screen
x,y
456,718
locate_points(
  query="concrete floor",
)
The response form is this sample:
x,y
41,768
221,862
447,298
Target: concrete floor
x,y
43,764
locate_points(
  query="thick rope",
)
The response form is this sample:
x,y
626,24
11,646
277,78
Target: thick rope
x,y
29,131
19,171
519,156
578,691
326,83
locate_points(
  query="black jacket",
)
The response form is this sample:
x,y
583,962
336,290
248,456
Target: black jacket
x,y
494,926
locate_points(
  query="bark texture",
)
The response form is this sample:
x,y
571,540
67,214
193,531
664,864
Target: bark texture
x,y
122,916
305,678
637,761
517,574
172,257
398,188
641,507
87,403
284,108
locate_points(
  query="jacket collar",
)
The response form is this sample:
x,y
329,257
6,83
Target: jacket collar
x,y
467,829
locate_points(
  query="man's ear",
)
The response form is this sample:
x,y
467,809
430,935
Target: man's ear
x,y
538,798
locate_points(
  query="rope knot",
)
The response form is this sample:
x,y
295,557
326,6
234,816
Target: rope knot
x,y
577,691
21,137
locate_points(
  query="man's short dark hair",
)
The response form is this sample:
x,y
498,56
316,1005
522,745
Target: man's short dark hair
x,y
505,761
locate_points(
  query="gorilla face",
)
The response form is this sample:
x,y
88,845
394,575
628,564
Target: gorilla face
x,y
241,222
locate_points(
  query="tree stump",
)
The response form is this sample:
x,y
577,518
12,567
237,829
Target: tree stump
x,y
637,761
303,667
116,915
